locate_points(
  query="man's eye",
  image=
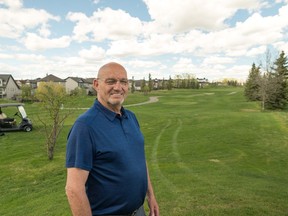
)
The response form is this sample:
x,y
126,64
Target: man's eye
x,y
123,82
111,81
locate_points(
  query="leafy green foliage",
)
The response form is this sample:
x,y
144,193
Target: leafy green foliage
x,y
52,97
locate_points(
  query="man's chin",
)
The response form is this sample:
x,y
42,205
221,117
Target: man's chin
x,y
116,102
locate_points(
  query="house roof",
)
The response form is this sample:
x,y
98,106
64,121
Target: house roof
x,y
6,77
82,80
77,79
89,80
51,78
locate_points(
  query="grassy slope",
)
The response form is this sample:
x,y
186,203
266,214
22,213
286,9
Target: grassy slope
x,y
209,153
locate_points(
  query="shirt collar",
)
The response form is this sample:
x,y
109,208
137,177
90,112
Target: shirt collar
x,y
108,113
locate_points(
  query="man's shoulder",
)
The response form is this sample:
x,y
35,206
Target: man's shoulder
x,y
88,116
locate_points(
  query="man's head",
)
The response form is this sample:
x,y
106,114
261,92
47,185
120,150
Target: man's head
x,y
111,86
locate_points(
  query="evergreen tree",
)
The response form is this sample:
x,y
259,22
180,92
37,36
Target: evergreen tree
x,y
150,83
277,98
281,66
252,87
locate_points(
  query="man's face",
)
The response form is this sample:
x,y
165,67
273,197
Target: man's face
x,y
112,87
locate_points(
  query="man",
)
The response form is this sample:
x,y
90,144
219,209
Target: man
x,y
105,160
2,115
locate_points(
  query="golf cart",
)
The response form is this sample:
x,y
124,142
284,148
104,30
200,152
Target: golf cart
x,y
10,124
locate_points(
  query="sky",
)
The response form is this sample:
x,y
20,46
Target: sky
x,y
215,40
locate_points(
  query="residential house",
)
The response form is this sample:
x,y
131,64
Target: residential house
x,y
73,83
77,82
202,82
8,87
51,78
89,85
31,83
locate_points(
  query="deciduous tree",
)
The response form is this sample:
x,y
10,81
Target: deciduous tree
x,y
52,97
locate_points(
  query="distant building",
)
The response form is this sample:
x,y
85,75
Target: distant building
x,y
73,83
76,82
8,87
51,78
31,83
202,82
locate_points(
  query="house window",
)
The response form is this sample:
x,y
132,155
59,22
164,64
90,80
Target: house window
x,y
1,82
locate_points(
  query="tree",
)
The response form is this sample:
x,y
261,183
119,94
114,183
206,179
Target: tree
x,y
26,92
170,83
163,84
78,92
143,84
52,97
145,90
133,85
277,98
150,83
281,66
253,85
266,80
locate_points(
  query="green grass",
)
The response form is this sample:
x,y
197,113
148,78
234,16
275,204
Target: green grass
x,y
209,153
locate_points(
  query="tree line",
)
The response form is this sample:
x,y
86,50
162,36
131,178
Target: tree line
x,y
269,84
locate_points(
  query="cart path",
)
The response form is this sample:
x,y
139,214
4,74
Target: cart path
x,y
152,99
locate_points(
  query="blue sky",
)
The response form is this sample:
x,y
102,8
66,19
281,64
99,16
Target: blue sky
x,y
215,40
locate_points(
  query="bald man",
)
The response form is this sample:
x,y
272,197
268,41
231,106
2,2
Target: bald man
x,y
105,159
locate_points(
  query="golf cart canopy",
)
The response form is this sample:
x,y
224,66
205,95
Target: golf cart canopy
x,y
11,104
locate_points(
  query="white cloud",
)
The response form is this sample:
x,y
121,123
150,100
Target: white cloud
x,y
105,24
94,53
282,46
155,44
14,4
34,42
29,57
233,41
44,30
215,60
184,65
143,64
96,1
178,16
5,56
15,20
186,36
256,51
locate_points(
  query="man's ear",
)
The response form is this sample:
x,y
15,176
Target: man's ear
x,y
95,84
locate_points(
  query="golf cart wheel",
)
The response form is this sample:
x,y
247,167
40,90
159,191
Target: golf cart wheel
x,y
27,128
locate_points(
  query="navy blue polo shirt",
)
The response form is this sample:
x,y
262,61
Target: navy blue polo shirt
x,y
111,148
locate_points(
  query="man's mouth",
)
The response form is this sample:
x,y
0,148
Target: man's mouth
x,y
116,94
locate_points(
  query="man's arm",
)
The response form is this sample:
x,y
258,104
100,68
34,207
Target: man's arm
x,y
153,205
75,191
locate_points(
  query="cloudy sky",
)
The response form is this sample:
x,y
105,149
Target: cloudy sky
x,y
214,39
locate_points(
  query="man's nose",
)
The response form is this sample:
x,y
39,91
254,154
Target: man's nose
x,y
117,85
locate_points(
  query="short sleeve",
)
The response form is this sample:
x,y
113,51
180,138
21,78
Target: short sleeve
x,y
79,150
